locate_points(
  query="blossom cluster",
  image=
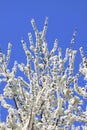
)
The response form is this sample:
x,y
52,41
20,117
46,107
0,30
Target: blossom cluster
x,y
41,103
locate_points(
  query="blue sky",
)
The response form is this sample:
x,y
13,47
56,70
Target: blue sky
x,y
64,16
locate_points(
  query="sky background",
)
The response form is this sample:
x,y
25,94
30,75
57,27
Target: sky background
x,y
64,16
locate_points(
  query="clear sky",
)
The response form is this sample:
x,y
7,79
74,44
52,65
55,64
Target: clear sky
x,y
64,16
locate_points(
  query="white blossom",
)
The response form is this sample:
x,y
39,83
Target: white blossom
x,y
40,102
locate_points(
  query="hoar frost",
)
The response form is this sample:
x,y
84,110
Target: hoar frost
x,y
51,86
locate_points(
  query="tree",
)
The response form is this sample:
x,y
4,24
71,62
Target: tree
x,y
40,104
